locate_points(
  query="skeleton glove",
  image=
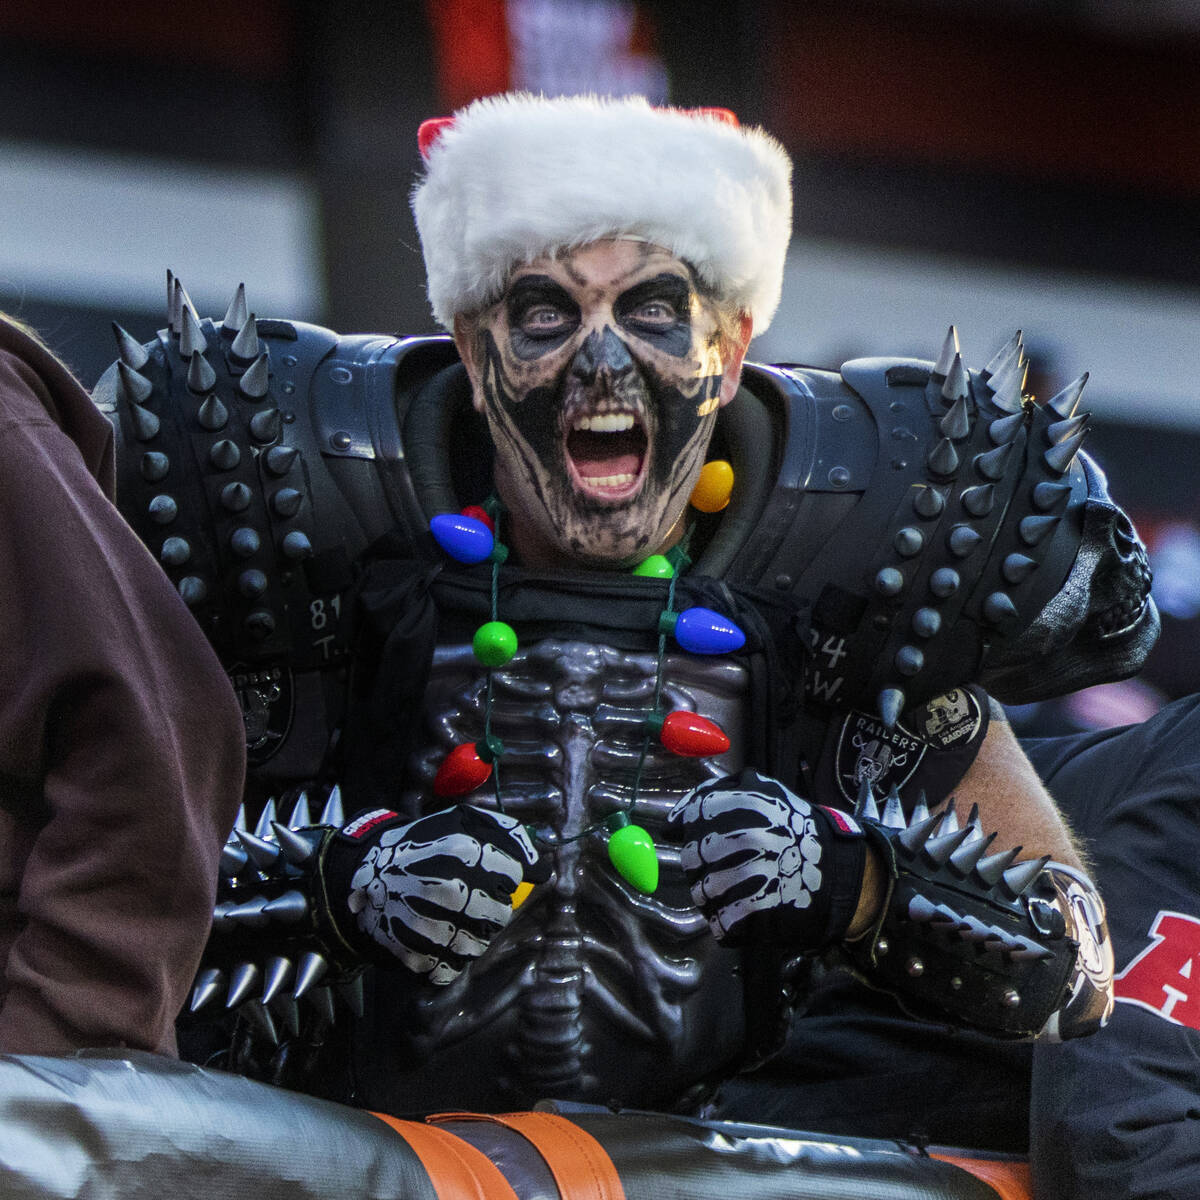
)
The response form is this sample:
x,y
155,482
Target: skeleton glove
x,y
432,893
765,865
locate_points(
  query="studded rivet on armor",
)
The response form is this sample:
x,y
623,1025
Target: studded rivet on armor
x,y
225,455
926,622
889,582
154,466
175,552
909,660
944,582
286,502
163,510
963,539
252,584
265,425
296,545
929,502
244,542
909,541
200,377
245,347
279,459
193,589
236,497
256,380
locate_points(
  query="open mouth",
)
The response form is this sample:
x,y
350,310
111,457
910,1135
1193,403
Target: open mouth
x,y
606,454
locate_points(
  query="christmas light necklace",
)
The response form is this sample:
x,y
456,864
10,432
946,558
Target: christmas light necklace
x,y
472,537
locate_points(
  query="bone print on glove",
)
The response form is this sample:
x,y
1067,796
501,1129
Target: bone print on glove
x,y
434,892
763,863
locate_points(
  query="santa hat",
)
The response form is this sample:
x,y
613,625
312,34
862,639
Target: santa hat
x,y
513,177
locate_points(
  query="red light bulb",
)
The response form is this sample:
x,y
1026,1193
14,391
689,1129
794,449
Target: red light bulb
x,y
691,735
462,771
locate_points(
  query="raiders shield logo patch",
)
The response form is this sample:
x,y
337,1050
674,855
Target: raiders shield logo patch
x,y
949,720
868,750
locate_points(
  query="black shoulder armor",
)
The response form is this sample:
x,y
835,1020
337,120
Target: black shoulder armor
x,y
937,527
257,460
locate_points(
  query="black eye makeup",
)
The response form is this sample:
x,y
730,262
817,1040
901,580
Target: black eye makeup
x,y
658,308
539,310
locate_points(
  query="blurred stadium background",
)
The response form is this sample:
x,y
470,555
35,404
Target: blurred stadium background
x,y
993,163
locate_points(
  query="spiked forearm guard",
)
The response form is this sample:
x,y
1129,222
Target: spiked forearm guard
x,y
274,942
974,939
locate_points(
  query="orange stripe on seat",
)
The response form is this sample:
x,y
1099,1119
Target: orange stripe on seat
x,y
580,1165
1011,1180
457,1170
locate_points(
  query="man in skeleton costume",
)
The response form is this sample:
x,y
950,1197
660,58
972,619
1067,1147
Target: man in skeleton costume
x,y
763,699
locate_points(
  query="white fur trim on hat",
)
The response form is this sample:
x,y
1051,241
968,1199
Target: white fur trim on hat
x,y
518,176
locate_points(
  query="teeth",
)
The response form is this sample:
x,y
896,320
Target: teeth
x,y
610,481
608,423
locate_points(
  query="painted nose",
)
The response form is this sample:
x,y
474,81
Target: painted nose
x,y
602,353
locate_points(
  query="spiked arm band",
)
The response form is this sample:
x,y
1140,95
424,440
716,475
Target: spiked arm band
x,y
974,939
274,941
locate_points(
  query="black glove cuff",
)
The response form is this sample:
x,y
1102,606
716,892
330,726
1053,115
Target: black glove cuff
x,y
846,860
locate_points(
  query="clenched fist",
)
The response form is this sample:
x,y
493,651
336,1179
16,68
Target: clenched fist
x,y
760,860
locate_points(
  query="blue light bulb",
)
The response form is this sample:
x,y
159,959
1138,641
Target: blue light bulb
x,y
703,631
465,539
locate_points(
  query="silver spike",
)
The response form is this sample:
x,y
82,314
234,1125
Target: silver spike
x,y
286,1009
1010,349
172,303
221,920
998,608
866,806
280,459
310,970
233,860
256,379
918,833
257,1015
265,820
191,339
949,353
992,463
209,984
246,347
944,917
920,810
922,910
132,353
276,977
133,388
978,500
1004,429
1060,431
224,455
321,998
957,382
182,302
289,908
1033,529
333,814
929,502
889,704
200,376
249,913
296,849
1064,403
943,458
145,423
1027,950
213,415
1017,567
263,853
239,822
1049,496
974,822
1020,879
956,422
949,819
940,848
1008,387
236,313
991,869
242,981
970,852
265,425
893,811
351,993
1059,458
301,812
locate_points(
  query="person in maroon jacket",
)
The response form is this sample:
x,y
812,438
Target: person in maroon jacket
x,y
121,743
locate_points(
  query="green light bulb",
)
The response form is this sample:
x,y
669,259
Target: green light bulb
x,y
657,566
631,851
494,643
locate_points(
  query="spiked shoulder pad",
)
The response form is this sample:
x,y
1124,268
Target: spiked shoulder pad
x,y
925,520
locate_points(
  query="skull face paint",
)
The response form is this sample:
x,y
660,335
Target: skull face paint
x,y
600,372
